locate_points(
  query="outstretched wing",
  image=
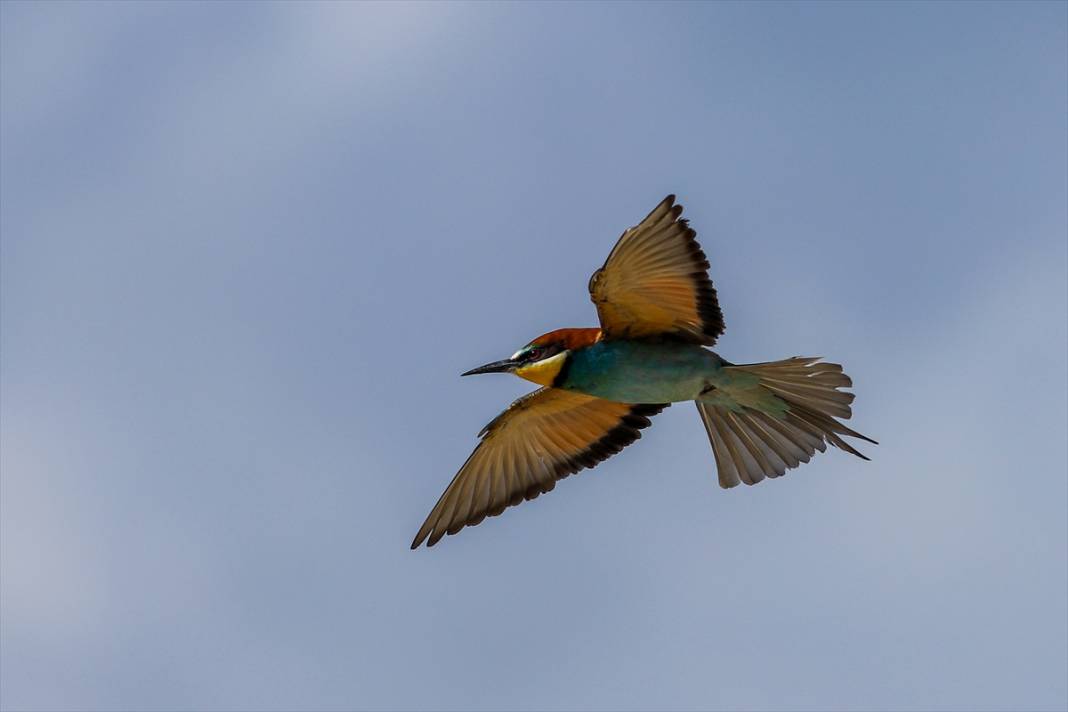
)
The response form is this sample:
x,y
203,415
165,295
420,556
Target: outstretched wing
x,y
655,282
542,437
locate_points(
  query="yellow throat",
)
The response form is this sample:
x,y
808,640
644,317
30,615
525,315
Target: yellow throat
x,y
543,372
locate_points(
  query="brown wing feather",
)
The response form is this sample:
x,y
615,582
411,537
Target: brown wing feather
x,y
541,438
655,282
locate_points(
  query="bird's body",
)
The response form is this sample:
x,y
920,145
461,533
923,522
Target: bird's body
x,y
658,314
642,371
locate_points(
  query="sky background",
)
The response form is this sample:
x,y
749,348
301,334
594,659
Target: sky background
x,y
247,250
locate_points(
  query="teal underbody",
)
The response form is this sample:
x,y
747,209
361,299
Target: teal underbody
x,y
644,372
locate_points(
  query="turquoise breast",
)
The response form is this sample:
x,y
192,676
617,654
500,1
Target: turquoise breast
x,y
641,372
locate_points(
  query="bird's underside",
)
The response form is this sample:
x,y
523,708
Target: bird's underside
x,y
657,309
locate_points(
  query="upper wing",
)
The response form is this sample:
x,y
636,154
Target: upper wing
x,y
542,437
655,282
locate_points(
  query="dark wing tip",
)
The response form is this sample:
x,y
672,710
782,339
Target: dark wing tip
x,y
667,203
424,531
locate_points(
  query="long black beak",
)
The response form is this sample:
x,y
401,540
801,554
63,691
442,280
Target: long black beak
x,y
504,366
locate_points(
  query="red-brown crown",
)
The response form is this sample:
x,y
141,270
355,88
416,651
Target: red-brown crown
x,y
570,339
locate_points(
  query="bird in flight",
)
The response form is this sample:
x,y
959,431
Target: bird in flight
x,y
599,387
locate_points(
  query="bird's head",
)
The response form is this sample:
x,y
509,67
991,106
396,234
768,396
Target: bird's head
x,y
543,359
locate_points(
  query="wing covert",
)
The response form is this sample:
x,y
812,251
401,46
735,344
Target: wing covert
x,y
655,282
541,438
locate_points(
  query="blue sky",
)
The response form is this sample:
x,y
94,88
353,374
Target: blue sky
x,y
248,248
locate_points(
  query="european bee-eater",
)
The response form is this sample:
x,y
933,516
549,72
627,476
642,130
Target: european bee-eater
x,y
658,312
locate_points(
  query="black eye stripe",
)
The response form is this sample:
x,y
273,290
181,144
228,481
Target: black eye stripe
x,y
537,353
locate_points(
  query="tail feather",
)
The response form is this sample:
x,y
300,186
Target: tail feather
x,y
788,452
750,445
